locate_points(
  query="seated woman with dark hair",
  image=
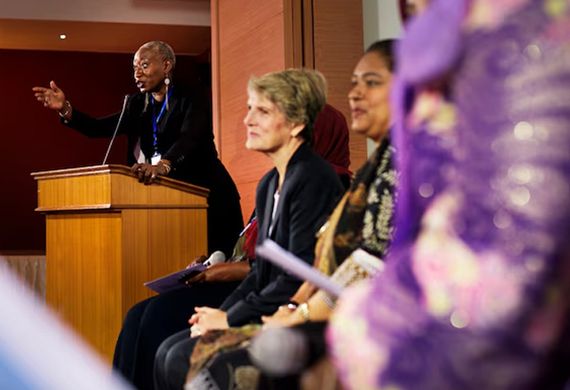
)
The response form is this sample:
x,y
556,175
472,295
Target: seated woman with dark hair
x,y
291,203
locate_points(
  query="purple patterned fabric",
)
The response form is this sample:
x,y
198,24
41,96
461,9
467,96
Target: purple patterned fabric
x,y
476,292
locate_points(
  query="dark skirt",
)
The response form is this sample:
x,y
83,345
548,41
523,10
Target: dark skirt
x,y
150,322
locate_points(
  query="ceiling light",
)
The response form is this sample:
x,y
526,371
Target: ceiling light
x,y
62,36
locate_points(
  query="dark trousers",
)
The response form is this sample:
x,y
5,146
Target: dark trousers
x,y
172,361
225,220
150,322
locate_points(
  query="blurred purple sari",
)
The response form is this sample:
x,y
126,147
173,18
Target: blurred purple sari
x,y
476,290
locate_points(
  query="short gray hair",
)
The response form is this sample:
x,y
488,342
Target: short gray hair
x,y
163,49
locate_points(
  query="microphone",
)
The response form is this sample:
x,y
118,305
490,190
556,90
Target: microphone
x,y
287,351
215,258
279,351
116,128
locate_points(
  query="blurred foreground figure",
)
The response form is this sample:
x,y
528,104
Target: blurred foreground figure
x,y
475,294
37,352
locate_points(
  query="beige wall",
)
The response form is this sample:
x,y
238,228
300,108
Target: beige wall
x,y
381,21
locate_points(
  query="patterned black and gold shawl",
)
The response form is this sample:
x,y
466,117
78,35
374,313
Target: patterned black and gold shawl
x,y
364,216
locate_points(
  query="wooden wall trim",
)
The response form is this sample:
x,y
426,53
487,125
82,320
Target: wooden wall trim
x,y
249,41
308,34
215,32
293,33
298,33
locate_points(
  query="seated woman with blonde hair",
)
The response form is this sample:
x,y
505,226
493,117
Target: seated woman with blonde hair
x,y
292,201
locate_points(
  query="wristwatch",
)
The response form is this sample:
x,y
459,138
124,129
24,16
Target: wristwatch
x,y
304,311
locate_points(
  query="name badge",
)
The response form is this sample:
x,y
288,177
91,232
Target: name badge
x,y
155,159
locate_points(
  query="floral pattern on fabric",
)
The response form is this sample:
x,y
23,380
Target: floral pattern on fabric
x,y
364,216
377,226
457,283
359,376
432,108
476,290
490,13
217,341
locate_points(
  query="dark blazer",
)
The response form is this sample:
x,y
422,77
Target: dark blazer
x,y
186,139
310,191
185,134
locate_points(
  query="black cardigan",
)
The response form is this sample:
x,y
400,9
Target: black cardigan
x,y
309,193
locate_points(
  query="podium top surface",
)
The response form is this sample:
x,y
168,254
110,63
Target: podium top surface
x,y
111,186
117,169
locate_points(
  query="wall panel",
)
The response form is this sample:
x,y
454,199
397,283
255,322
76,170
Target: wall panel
x,y
252,37
337,42
249,37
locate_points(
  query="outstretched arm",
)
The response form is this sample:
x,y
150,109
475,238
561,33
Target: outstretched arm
x,y
53,98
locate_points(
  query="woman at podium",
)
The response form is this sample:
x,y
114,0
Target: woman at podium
x,y
169,134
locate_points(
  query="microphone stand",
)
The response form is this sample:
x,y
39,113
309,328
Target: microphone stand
x,y
116,128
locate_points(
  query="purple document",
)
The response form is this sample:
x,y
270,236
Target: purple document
x,y
289,262
175,280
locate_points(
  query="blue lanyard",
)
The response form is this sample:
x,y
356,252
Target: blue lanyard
x,y
156,120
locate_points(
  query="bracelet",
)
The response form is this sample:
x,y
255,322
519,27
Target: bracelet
x,y
304,311
66,109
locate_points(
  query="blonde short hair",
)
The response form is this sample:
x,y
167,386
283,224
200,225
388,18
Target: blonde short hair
x,y
300,94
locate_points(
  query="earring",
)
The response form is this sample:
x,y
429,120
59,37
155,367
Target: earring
x,y
167,83
146,101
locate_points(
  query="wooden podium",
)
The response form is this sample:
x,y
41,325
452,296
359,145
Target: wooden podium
x,y
106,234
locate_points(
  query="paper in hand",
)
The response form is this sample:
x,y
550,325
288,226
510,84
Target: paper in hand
x,y
291,263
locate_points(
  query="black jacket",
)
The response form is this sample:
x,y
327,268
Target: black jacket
x,y
186,139
310,191
185,135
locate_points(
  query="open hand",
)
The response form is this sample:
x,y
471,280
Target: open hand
x,y
51,97
282,317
